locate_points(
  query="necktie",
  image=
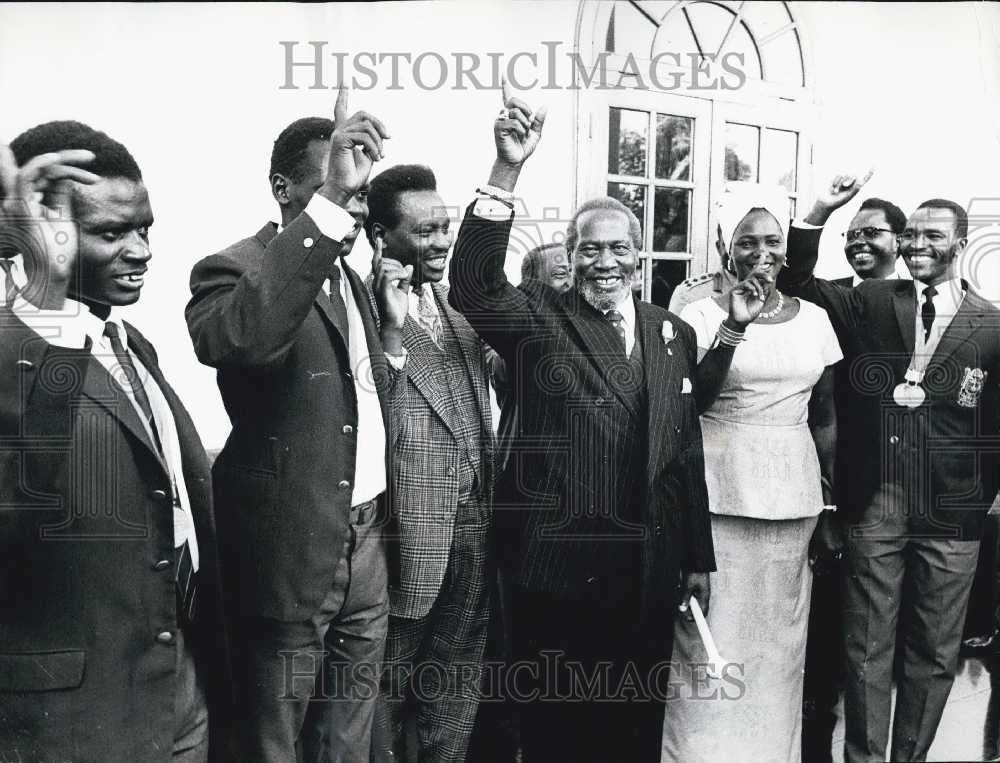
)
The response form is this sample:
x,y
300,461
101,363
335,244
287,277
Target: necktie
x,y
11,289
132,377
428,315
617,320
337,301
927,312
185,576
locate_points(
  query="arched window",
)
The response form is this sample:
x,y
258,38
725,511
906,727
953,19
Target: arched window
x,y
694,94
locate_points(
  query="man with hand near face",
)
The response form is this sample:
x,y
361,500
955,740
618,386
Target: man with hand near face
x,y
306,373
112,641
602,511
442,484
921,422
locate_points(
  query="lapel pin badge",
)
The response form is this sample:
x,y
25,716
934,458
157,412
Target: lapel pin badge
x,y
972,387
667,332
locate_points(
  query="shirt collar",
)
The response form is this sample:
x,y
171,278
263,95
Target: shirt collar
x,y
951,288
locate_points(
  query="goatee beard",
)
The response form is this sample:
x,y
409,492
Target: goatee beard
x,y
598,300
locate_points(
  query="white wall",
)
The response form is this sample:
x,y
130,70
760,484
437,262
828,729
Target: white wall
x,y
193,91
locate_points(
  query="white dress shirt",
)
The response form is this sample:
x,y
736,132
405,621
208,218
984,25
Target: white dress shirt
x,y
70,327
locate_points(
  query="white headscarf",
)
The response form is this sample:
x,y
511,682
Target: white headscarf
x,y
740,197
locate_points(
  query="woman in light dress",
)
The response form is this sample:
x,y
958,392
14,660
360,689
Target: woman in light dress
x,y
765,389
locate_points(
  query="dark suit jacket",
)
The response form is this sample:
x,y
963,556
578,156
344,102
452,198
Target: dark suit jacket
x,y
846,281
563,531
946,453
427,439
86,515
283,481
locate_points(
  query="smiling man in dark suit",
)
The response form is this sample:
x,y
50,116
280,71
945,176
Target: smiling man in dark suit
x,y
602,510
300,484
920,449
112,645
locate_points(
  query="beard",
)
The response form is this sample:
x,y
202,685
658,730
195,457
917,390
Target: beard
x,y
602,300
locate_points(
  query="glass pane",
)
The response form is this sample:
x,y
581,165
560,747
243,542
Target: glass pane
x,y
741,152
673,147
670,220
627,133
632,196
781,149
666,275
783,59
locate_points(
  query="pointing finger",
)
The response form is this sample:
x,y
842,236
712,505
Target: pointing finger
x,y
505,89
340,107
867,177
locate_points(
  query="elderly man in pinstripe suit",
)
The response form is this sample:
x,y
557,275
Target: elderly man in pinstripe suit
x,y
602,509
442,487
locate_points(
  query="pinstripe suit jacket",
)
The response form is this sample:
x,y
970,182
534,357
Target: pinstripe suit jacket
x,y
427,442
557,506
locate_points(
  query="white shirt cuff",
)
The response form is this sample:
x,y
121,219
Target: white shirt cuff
x,y
805,226
397,361
333,221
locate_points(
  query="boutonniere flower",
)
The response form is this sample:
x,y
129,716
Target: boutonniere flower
x,y
667,332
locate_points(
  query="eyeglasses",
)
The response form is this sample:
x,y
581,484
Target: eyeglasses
x,y
869,232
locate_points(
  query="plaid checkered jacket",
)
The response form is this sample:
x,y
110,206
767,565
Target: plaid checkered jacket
x,y
433,434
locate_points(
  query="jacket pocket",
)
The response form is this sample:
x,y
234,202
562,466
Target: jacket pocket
x,y
42,671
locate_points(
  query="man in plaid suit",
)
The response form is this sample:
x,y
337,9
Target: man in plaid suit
x,y
442,486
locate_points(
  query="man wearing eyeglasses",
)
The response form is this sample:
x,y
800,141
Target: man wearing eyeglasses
x,y
870,240
919,472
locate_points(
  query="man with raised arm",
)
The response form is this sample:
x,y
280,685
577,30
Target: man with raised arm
x,y
922,419
602,511
305,372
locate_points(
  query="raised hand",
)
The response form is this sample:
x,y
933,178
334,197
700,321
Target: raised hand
x,y
747,298
840,190
42,230
355,145
517,130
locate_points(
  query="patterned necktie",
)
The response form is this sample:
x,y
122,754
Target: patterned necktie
x,y
617,320
428,316
927,312
337,301
10,287
132,378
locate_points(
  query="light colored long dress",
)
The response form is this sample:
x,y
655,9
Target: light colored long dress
x,y
764,492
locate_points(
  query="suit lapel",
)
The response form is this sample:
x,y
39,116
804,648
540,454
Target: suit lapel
x,y
470,348
369,320
656,362
904,302
600,344
423,370
101,388
971,316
